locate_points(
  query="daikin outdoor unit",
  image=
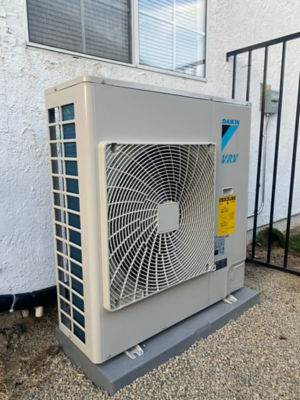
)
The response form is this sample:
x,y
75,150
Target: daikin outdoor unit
x,y
149,192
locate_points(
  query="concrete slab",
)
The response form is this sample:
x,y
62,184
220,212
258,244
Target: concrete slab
x,y
121,370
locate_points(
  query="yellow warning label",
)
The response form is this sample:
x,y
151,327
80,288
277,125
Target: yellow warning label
x,y
226,214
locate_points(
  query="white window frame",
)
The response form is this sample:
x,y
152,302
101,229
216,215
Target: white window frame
x,y
134,47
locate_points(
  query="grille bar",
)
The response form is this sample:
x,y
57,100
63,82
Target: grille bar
x,y
67,224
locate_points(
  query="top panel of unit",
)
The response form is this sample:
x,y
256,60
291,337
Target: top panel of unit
x,y
140,86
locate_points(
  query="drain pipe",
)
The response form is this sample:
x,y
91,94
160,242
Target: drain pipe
x,y
263,186
25,301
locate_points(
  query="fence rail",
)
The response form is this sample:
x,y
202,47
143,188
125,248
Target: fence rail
x,y
234,54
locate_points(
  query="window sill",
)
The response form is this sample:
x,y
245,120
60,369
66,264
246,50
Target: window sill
x,y
137,66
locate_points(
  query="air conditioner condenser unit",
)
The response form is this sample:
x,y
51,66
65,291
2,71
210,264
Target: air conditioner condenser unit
x,y
149,195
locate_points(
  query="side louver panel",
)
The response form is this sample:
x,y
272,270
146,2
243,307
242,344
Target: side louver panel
x,y
159,217
67,224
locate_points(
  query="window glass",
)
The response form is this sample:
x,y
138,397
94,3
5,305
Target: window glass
x,y
107,29
172,35
156,42
55,23
93,27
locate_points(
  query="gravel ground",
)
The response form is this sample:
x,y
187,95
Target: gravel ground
x,y
254,357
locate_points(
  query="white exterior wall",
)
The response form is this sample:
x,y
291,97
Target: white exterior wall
x,y
25,72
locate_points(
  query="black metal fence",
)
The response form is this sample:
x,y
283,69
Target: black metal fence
x,y
249,50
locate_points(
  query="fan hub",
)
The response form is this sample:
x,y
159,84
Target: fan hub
x,y
168,217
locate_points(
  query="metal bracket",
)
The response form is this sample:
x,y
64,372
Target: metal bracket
x,y
134,352
230,299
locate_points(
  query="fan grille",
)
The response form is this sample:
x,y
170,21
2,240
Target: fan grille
x,y
140,178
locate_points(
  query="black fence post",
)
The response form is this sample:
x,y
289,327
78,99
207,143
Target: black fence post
x,y
249,75
288,225
276,152
233,77
260,146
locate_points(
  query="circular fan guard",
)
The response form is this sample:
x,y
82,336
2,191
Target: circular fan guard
x,y
140,177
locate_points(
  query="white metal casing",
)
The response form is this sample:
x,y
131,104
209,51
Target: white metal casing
x,y
113,111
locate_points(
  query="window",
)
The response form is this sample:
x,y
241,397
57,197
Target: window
x,y
170,34
95,27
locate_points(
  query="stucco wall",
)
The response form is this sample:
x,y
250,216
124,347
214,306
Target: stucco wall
x,y
25,228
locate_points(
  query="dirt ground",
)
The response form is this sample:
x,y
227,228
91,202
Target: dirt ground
x,y
277,253
254,357
277,256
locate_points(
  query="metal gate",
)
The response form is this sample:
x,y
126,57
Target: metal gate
x,y
249,50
